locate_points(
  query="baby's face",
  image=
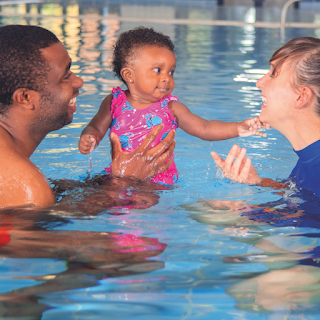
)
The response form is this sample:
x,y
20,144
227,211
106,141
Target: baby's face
x,y
153,70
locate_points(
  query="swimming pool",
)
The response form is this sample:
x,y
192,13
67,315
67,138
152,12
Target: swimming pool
x,y
169,253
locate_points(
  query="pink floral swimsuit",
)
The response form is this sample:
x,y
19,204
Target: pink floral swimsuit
x,y
132,126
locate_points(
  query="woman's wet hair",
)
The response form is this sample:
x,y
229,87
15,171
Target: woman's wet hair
x,y
303,57
21,62
130,42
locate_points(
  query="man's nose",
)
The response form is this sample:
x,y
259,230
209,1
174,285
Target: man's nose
x,y
77,82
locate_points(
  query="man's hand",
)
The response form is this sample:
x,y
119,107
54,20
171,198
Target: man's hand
x,y
240,170
251,127
143,163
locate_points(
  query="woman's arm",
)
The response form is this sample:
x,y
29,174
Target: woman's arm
x,y
94,132
213,129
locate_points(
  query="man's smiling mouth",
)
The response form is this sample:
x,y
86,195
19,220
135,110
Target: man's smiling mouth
x,y
73,101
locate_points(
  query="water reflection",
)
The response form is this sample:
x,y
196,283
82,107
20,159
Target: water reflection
x,y
165,10
293,290
104,194
233,247
290,282
31,237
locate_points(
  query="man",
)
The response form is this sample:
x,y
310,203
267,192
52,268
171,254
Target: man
x,y
37,95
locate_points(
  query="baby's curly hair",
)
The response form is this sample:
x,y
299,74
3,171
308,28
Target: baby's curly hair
x,y
131,41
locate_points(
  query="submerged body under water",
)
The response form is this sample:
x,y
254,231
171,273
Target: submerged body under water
x,y
202,248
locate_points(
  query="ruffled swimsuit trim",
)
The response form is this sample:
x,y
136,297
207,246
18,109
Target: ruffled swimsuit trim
x,y
132,126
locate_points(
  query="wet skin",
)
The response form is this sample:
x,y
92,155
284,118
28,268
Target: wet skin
x,y
33,115
291,111
25,126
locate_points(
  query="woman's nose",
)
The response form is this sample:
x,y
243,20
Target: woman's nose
x,y
259,83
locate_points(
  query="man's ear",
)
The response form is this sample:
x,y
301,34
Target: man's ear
x,y
127,75
304,98
24,98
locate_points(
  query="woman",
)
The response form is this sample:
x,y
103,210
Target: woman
x,y
291,105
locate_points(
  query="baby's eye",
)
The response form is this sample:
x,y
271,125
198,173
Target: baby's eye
x,y
171,72
157,70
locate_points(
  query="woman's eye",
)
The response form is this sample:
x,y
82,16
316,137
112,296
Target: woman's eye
x,y
157,70
271,74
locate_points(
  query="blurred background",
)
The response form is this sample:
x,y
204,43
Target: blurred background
x,y
249,11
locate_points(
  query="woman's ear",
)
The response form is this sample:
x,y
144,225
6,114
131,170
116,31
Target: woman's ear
x,y
305,97
127,75
24,98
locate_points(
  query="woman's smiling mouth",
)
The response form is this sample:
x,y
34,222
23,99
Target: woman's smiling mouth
x,y
264,101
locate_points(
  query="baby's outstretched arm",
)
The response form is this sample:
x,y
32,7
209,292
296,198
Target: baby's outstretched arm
x,y
213,129
94,132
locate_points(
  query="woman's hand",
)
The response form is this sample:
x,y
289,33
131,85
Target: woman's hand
x,y
145,162
237,167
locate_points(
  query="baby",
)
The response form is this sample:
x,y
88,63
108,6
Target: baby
x,y
145,62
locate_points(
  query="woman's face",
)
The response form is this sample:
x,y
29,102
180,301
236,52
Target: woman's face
x,y
278,96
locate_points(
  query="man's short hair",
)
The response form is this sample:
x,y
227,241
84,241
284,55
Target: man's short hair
x,y
21,62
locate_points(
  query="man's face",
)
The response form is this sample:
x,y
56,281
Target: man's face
x,y
57,99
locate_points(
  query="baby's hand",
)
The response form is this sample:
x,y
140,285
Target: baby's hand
x,y
251,127
87,143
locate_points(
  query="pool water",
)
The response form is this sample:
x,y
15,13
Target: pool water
x,y
206,248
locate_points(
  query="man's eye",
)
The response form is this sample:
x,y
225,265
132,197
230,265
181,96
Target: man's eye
x,y
67,76
157,70
171,72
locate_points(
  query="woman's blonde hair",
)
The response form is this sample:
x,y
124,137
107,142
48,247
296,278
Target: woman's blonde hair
x,y
303,57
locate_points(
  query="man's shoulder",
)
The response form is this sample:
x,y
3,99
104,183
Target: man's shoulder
x,y
11,160
6,141
21,182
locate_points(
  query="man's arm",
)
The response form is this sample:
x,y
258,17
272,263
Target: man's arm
x,y
145,162
22,183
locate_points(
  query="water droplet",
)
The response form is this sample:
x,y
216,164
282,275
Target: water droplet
x,y
90,163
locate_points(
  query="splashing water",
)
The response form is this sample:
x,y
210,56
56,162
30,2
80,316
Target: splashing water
x,y
90,162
